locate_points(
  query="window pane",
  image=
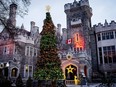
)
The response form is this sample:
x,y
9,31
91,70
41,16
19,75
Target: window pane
x,y
98,37
100,55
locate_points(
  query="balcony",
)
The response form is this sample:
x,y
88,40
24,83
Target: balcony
x,y
76,22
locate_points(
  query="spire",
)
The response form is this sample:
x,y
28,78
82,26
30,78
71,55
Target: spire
x,y
106,23
74,0
22,26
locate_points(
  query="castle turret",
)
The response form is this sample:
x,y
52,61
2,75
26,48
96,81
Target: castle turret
x,y
78,16
59,29
32,25
12,16
34,29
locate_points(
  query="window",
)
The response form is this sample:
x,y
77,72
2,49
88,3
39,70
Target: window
x,y
115,34
14,72
31,51
103,36
5,51
27,51
75,50
78,49
77,36
100,55
109,54
35,52
15,50
107,35
26,70
98,37
30,70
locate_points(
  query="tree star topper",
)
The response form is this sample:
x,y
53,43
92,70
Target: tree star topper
x,y
48,8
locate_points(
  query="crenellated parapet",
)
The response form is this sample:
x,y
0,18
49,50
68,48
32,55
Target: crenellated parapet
x,y
76,4
105,27
77,11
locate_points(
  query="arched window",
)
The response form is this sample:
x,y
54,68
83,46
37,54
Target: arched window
x,y
14,72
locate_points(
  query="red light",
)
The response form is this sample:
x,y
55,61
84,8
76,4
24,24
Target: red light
x,y
78,41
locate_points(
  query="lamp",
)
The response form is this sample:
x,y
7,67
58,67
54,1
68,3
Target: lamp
x,y
26,68
7,64
4,67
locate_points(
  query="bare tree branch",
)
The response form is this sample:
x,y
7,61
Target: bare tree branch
x,y
22,8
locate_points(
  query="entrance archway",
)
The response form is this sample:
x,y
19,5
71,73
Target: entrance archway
x,y
70,72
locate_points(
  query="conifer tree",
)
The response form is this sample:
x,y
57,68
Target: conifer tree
x,y
29,82
48,64
19,82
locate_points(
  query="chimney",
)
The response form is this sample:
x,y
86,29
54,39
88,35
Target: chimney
x,y
12,15
32,25
59,28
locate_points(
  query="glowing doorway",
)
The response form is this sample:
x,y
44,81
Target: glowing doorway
x,y
14,72
70,72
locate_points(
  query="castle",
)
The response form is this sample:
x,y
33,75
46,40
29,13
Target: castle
x,y
84,49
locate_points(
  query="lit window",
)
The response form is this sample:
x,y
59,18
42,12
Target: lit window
x,y
14,72
80,48
77,37
77,49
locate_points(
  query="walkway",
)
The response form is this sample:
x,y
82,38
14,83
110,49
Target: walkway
x,y
91,85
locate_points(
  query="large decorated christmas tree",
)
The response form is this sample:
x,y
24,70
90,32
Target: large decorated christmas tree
x,y
48,63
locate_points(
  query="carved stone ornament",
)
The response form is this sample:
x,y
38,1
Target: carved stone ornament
x,y
69,56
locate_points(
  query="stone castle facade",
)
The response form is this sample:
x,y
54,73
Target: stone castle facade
x,y
78,26
83,49
18,47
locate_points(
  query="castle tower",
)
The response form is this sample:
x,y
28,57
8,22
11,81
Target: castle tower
x,y
12,15
78,16
79,20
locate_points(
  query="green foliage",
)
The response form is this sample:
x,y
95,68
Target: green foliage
x,y
49,74
48,16
48,41
19,82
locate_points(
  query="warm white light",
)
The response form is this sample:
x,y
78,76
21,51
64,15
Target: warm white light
x,y
7,65
1,65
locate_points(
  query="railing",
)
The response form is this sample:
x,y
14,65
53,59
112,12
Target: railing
x,y
69,82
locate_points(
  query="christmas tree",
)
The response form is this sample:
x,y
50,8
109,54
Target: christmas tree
x,y
48,64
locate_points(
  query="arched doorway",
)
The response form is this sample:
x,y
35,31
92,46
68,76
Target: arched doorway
x,y
85,70
70,72
14,72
